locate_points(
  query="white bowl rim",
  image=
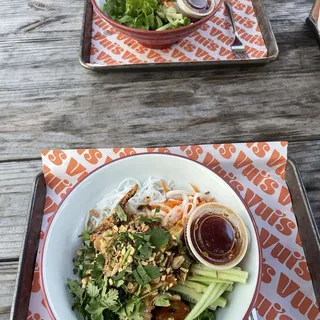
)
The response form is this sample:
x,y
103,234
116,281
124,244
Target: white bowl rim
x,y
256,291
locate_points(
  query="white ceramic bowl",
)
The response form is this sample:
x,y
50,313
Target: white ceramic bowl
x,y
62,241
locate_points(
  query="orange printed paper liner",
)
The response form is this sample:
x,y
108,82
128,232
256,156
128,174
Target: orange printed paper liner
x,y
257,171
210,43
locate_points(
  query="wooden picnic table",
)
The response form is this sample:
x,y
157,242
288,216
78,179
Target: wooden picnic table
x,y
47,100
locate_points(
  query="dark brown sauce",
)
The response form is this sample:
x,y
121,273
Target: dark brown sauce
x,y
215,238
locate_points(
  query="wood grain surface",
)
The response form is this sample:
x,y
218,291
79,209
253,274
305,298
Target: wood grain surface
x,y
47,100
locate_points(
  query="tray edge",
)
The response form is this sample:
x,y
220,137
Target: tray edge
x,y
23,252
314,270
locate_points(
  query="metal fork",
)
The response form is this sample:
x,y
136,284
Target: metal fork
x,y
237,46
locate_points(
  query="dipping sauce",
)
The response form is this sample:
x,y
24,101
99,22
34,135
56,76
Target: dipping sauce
x,y
215,238
200,6
196,9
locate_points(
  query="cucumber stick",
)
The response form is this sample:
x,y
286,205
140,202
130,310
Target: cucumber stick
x,y
203,301
219,290
218,275
237,272
198,287
191,296
207,280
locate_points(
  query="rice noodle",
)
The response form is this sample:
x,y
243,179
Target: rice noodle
x,y
150,193
174,194
151,188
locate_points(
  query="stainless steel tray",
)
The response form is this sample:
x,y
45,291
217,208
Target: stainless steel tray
x,y
263,21
307,228
313,18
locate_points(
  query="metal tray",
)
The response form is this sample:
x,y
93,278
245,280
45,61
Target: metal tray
x,y
263,21
312,19
307,228
21,297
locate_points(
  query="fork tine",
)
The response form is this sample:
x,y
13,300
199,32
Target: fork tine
x,y
241,55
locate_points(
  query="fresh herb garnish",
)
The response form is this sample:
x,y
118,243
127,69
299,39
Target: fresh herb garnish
x,y
110,298
152,271
149,219
84,260
157,210
143,252
121,214
141,275
97,271
92,290
144,275
120,275
76,290
85,235
161,300
159,238
95,310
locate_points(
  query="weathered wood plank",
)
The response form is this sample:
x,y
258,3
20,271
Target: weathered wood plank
x,y
61,104
16,179
8,272
137,114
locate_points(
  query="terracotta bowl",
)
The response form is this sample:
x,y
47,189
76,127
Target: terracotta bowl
x,y
154,39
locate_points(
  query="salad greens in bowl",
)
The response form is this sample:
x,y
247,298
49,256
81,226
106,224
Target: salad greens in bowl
x,y
117,249
145,14
155,24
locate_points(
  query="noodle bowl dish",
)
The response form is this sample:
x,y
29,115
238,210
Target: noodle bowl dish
x,y
151,237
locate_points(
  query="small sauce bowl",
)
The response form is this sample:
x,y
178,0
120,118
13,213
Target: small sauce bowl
x,y
216,236
196,9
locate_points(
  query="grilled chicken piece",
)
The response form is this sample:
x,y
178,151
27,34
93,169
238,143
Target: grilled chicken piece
x,y
128,196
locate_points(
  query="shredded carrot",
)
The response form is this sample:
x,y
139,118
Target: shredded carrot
x,y
164,186
172,203
210,200
155,206
185,219
194,188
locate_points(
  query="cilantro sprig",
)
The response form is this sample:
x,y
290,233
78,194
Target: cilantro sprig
x,y
159,238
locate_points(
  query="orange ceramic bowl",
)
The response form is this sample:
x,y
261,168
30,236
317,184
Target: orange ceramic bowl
x,y
150,38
